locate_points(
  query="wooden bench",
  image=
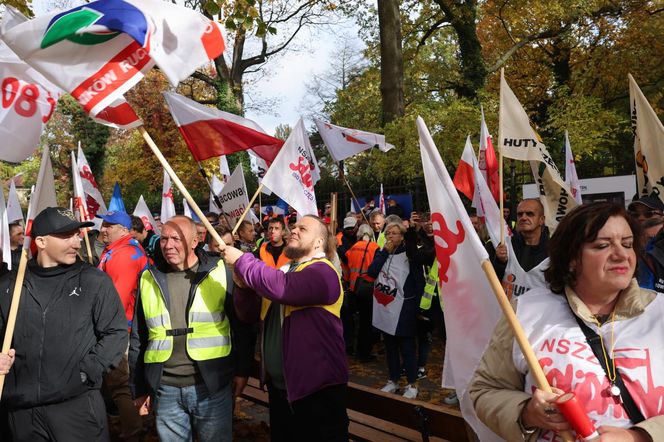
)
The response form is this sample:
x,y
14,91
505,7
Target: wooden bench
x,y
378,416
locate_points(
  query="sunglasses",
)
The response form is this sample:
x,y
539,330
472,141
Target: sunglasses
x,y
645,213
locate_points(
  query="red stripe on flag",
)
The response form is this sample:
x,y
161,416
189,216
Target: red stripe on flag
x,y
464,179
216,137
492,169
120,69
121,115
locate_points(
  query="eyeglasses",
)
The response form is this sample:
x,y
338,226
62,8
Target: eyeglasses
x,y
645,213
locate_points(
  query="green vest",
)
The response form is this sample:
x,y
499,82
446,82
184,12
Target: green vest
x,y
209,336
381,239
431,286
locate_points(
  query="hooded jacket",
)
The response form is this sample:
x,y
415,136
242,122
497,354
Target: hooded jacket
x,y
80,327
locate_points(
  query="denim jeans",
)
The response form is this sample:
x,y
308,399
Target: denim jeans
x,y
182,410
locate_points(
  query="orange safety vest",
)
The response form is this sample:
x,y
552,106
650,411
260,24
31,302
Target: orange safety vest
x,y
359,262
338,236
268,259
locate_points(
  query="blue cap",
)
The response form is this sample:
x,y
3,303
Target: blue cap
x,y
117,217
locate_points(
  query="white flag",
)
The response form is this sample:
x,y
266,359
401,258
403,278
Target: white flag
x,y
14,211
143,212
28,99
167,201
43,196
343,142
93,199
291,174
78,201
259,168
571,178
471,310
648,143
223,168
233,196
4,232
217,185
519,141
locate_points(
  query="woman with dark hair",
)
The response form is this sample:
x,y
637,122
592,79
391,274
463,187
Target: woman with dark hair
x,y
595,333
398,288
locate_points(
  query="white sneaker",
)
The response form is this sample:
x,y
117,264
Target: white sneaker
x,y
451,399
410,392
390,387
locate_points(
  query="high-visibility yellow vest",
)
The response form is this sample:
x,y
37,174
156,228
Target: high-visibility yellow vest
x,y
431,287
208,328
381,239
335,308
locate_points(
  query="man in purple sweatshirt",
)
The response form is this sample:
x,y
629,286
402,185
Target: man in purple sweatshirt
x,y
303,352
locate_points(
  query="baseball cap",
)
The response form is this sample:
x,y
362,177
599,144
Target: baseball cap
x,y
651,202
117,217
349,222
53,220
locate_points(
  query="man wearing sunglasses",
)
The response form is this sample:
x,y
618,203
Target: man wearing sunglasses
x,y
645,208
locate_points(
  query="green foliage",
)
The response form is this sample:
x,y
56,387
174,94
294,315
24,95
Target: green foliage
x,y
92,136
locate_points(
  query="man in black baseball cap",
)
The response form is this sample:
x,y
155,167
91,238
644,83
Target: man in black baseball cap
x,y
72,326
646,208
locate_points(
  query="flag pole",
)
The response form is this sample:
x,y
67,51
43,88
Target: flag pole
x,y
519,334
334,217
13,309
247,209
500,168
215,198
85,234
167,167
356,201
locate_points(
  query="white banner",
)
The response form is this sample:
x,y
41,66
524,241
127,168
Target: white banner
x,y
167,200
233,196
648,143
143,212
571,178
291,176
471,310
519,141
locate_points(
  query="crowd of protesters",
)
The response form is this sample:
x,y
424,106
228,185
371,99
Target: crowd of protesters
x,y
170,323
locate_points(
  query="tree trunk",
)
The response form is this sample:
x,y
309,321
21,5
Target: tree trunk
x,y
391,60
463,18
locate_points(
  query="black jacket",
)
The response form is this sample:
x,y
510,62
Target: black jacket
x,y
145,378
82,328
528,261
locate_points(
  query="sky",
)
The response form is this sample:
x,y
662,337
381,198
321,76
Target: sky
x,y
280,91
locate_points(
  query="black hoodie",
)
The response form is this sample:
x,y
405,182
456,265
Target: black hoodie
x,y
70,321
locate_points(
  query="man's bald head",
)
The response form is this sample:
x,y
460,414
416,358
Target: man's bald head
x,y
178,241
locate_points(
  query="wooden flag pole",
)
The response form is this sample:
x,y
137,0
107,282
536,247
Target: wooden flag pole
x,y
167,167
519,335
13,309
334,217
356,201
247,209
85,234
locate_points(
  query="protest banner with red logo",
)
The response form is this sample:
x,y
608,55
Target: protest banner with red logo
x,y
167,200
471,311
115,44
388,294
291,176
94,202
143,212
28,100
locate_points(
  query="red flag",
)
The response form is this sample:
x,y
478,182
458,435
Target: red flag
x,y
464,178
488,161
210,132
